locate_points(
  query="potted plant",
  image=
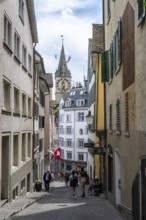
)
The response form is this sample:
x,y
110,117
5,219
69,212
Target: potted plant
x,y
38,185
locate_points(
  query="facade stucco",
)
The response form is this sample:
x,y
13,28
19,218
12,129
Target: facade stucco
x,y
20,176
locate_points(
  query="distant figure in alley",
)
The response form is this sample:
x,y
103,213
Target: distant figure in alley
x,y
47,179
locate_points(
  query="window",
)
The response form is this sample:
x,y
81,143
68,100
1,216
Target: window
x,y
118,115
7,32
23,104
23,184
24,56
141,10
15,150
40,145
81,116
21,9
67,103
110,117
17,45
80,102
41,121
80,143
115,53
16,100
81,131
68,118
61,118
61,130
72,93
15,192
61,141
68,143
23,152
29,106
6,89
29,64
62,153
29,145
126,112
42,99
69,155
111,60
68,130
81,157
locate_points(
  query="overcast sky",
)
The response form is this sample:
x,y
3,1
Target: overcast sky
x,y
73,19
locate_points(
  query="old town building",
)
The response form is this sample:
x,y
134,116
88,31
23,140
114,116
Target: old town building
x,y
124,74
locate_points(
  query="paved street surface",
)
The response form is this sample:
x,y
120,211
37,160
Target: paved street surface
x,y
59,205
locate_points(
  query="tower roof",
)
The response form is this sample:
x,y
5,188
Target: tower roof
x,y
62,66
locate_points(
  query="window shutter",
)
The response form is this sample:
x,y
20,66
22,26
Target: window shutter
x,y
105,66
114,53
118,109
111,59
141,10
119,41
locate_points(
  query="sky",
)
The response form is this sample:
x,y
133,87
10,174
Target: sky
x,y
73,20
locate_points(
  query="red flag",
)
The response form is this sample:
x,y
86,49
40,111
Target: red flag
x,y
57,153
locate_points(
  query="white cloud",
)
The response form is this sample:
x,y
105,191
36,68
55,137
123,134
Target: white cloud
x,y
73,19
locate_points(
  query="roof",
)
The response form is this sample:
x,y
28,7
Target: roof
x,y
32,19
49,79
79,93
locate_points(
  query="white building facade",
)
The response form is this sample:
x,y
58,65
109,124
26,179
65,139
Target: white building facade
x,y
73,131
18,33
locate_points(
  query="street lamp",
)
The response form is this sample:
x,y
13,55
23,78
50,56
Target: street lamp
x,y
89,119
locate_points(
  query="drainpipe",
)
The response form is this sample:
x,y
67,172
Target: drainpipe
x,y
105,131
33,109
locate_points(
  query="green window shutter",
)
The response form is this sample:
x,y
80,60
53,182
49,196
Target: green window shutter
x,y
114,53
105,66
141,10
119,41
111,59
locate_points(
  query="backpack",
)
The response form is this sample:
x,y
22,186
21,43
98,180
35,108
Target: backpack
x,y
74,180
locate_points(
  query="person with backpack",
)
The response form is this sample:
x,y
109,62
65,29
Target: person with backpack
x,y
47,179
73,182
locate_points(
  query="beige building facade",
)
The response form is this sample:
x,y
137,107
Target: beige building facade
x,y
124,73
16,88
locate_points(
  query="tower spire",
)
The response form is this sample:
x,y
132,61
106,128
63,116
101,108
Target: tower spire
x,y
62,66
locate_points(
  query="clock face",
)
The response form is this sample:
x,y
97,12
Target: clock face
x,y
63,84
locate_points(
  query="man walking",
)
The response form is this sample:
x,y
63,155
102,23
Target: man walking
x,y
47,179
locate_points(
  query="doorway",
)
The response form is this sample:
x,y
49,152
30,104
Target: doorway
x,y
118,178
5,167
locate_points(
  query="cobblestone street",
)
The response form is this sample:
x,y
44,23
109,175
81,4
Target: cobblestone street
x,y
59,204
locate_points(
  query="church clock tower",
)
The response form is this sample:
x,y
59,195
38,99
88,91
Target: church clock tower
x,y
62,77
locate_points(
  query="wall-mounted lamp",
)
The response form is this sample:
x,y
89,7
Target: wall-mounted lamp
x,y
89,120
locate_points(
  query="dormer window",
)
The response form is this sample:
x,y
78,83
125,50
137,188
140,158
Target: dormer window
x,y
80,102
72,93
68,103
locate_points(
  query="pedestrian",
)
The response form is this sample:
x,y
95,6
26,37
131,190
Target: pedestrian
x,y
91,187
73,182
83,178
66,178
47,179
